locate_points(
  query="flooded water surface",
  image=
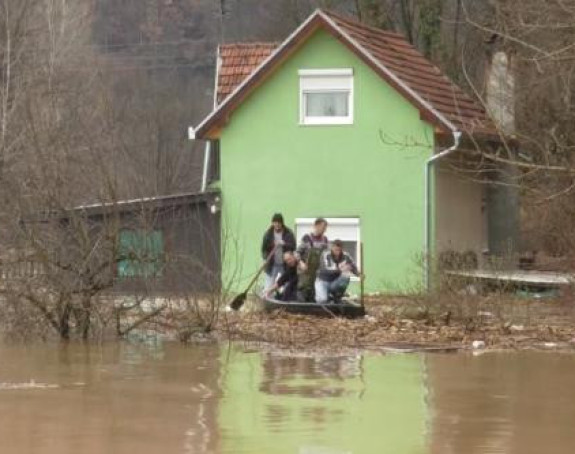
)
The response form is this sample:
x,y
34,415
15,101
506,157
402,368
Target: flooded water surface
x,y
168,398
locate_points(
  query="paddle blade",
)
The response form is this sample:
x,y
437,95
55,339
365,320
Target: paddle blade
x,y
238,301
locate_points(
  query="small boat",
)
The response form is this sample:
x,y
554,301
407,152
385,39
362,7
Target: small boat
x,y
345,308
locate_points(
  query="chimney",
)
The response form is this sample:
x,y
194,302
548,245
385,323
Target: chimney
x,y
503,201
501,92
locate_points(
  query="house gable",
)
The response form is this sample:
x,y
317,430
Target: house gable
x,y
275,106
438,100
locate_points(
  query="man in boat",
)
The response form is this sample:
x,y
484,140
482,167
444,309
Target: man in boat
x,y
309,251
335,270
287,283
277,239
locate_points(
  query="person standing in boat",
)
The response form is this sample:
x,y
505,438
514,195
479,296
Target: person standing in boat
x,y
309,251
277,239
287,283
335,270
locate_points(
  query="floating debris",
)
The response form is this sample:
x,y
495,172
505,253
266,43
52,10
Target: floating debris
x,y
27,385
478,344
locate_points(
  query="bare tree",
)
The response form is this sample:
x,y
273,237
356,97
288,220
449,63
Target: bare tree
x,y
66,142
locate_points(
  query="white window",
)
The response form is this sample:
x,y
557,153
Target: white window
x,y
326,96
345,229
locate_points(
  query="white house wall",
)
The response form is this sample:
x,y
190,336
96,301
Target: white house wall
x,y
461,218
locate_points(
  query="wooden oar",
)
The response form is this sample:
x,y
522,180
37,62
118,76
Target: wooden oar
x,y
240,299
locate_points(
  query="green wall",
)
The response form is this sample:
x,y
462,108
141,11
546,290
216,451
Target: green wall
x,y
373,169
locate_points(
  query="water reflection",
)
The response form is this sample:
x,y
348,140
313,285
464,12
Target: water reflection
x,y
281,374
116,398
327,405
167,398
513,403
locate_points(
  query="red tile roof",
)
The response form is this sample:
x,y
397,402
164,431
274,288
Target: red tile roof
x,y
394,52
237,62
439,100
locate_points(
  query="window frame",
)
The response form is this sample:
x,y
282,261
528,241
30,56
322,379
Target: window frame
x,y
146,263
326,81
305,225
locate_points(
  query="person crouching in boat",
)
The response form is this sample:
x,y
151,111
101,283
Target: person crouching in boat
x,y
286,286
336,268
309,251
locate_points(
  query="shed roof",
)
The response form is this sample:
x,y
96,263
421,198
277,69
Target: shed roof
x,y
237,62
440,101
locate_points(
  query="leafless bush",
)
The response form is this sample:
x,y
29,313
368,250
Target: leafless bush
x,y
19,323
65,146
202,309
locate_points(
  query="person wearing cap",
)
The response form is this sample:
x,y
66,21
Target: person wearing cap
x,y
335,270
309,251
279,239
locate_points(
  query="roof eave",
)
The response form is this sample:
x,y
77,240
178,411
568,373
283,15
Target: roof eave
x,y
482,136
208,128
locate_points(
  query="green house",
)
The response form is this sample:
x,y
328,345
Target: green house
x,y
353,124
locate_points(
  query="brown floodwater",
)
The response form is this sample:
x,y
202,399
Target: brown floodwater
x,y
168,398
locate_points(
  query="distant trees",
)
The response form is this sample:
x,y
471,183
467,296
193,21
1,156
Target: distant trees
x,y
73,132
60,136
467,38
537,39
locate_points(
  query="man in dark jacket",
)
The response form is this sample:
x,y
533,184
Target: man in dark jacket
x,y
336,267
277,239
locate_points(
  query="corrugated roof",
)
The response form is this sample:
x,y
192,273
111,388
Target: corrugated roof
x,y
237,62
440,101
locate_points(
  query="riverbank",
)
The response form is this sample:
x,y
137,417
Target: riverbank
x,y
443,322
417,324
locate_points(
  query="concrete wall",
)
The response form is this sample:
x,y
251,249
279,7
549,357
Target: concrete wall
x,y
461,217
